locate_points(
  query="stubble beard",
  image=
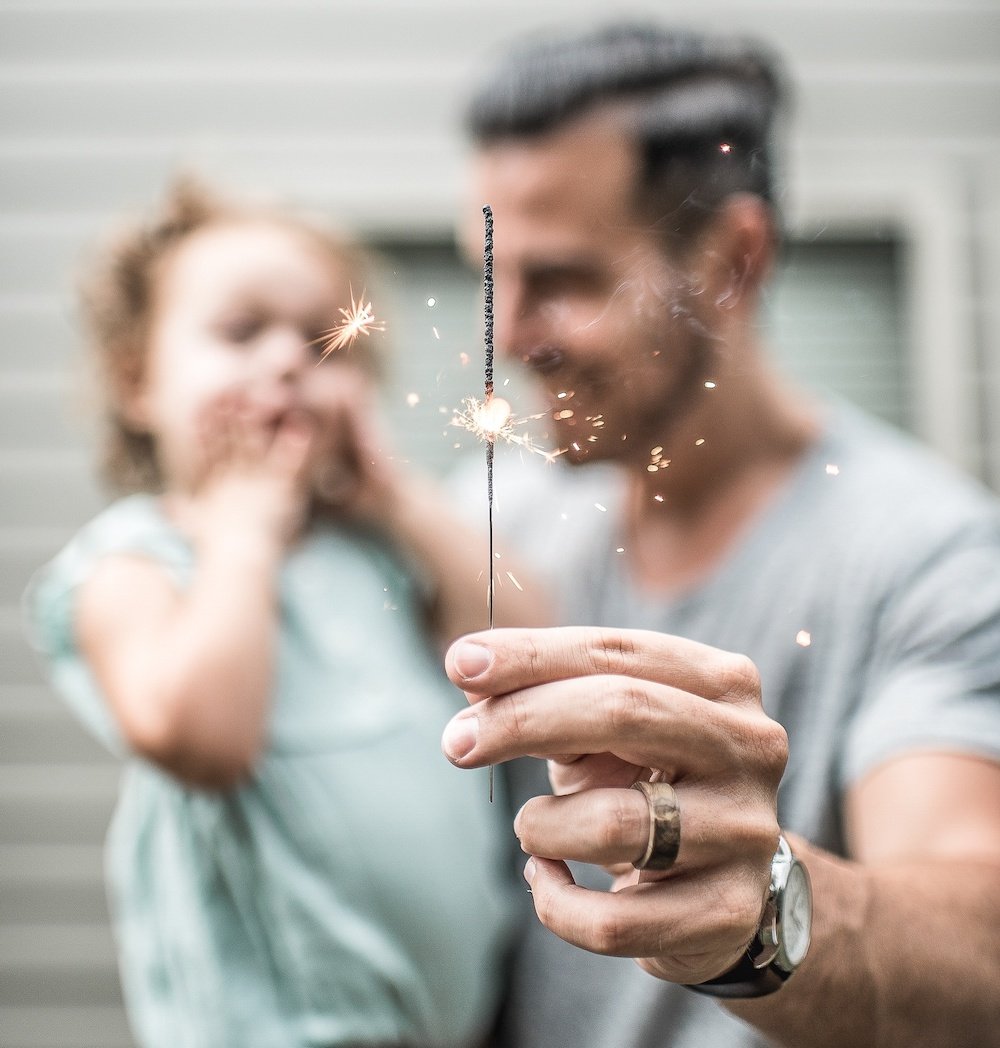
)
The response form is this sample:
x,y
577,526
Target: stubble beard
x,y
630,441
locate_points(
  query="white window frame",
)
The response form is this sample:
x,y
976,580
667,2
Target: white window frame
x,y
849,193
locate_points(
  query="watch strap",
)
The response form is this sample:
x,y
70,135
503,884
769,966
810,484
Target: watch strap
x,y
744,980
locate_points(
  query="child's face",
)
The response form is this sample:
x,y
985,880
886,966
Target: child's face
x,y
238,310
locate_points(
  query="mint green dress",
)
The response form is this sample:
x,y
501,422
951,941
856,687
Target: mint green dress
x,y
358,890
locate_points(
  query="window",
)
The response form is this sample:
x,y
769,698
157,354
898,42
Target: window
x,y
836,322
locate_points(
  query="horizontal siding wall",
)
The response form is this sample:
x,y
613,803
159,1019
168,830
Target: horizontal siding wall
x,y
350,109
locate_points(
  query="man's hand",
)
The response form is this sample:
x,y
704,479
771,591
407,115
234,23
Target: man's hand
x,y
606,708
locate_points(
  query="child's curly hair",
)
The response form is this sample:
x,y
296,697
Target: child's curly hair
x,y
118,298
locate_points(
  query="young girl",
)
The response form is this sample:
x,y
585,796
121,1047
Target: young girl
x,y
292,861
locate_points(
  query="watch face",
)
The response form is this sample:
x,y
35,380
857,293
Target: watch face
x,y
796,915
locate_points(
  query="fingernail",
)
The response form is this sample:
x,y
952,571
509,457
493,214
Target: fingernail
x,y
472,659
459,738
529,870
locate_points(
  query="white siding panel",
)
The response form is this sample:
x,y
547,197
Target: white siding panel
x,y
36,494
882,34
189,104
38,337
65,1026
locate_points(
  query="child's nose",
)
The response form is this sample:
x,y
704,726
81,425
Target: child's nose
x,y
286,352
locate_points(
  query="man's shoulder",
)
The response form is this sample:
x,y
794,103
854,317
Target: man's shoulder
x,y
889,507
896,485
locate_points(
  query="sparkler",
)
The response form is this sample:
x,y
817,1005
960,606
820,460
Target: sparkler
x,y
359,319
488,394
491,419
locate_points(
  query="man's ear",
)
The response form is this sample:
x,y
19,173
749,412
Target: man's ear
x,y
736,250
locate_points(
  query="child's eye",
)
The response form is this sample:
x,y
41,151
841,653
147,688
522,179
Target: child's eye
x,y
317,341
240,329
320,339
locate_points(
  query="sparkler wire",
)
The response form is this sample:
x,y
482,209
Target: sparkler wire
x,y
488,317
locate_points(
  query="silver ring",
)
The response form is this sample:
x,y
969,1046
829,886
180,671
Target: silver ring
x,y
664,826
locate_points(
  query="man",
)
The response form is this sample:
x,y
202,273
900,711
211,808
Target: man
x,y
771,578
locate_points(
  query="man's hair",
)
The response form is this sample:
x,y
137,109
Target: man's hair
x,y
701,109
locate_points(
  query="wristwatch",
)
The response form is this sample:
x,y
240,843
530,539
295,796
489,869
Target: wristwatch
x,y
782,937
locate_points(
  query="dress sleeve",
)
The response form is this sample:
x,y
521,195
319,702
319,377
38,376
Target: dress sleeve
x,y
936,679
129,526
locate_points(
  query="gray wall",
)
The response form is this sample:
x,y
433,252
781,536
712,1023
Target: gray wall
x,y
349,108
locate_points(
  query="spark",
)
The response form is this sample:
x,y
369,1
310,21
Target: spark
x,y
493,420
832,470
709,385
510,575
412,399
432,302
803,638
358,320
437,334
656,460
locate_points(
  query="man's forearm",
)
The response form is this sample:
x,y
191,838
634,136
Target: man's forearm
x,y
902,956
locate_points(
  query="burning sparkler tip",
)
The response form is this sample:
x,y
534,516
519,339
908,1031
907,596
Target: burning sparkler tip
x,y
492,420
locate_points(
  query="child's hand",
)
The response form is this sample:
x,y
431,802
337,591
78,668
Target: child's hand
x,y
254,480
354,475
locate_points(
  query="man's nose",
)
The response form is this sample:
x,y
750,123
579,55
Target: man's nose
x,y
517,326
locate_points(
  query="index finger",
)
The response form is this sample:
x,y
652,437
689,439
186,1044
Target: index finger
x,y
504,660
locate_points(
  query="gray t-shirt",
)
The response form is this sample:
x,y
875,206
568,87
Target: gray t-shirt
x,y
868,595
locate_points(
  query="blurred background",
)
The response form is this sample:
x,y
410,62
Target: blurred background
x,y
889,293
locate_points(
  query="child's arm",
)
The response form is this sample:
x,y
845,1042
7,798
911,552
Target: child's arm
x,y
188,674
454,559
362,481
